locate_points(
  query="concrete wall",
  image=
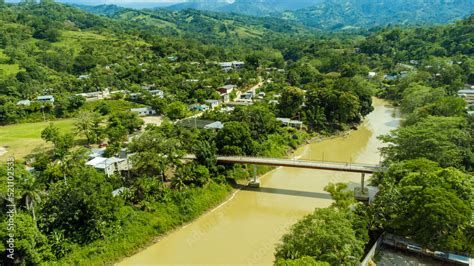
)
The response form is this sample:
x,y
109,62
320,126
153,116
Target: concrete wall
x,y
372,251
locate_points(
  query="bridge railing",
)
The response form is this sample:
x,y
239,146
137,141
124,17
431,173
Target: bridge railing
x,y
296,160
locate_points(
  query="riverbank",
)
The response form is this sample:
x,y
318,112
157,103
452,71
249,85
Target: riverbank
x,y
246,228
140,229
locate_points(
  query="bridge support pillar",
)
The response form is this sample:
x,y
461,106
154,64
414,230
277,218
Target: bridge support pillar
x,y
254,183
362,193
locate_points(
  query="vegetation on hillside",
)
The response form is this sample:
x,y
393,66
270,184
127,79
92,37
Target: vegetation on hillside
x,y
69,213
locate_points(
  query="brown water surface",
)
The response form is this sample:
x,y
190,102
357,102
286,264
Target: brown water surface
x,y
245,229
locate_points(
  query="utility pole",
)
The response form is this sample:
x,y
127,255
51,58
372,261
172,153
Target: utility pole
x,y
42,110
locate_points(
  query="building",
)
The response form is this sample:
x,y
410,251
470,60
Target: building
x,y
199,107
227,89
109,166
371,75
96,153
96,94
145,111
119,191
215,125
247,96
24,102
134,95
81,77
45,99
157,93
227,109
225,92
291,123
212,103
227,66
467,95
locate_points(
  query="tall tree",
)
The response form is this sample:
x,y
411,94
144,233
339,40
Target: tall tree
x,y
325,235
291,101
88,124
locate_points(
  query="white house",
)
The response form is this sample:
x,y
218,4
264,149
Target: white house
x,y
145,111
372,75
212,103
226,66
467,95
24,102
289,122
157,93
45,99
238,64
108,165
226,89
96,94
214,125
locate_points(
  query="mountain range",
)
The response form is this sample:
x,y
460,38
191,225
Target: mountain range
x,y
343,14
325,15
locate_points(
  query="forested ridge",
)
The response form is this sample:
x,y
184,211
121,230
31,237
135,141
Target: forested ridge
x,y
343,15
69,213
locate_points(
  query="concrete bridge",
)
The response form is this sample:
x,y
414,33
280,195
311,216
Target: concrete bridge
x,y
360,193
320,165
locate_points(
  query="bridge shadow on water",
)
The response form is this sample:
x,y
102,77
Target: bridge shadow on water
x,y
289,192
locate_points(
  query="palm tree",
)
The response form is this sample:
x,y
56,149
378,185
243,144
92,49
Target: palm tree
x,y
32,194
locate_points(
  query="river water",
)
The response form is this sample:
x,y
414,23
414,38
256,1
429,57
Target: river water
x,y
245,229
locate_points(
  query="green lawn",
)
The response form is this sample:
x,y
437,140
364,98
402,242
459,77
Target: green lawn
x,y
7,69
75,39
22,139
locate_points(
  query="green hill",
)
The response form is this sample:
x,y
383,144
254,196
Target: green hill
x,y
334,15
339,15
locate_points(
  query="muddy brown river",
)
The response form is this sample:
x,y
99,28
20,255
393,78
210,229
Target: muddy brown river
x,y
245,229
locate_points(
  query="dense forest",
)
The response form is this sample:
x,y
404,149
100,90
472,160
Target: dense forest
x,y
336,15
70,213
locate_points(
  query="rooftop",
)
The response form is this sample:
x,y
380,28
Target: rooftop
x,y
215,125
45,97
142,109
102,163
228,87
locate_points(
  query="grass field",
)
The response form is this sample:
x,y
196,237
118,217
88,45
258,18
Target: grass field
x,y
21,139
76,39
7,69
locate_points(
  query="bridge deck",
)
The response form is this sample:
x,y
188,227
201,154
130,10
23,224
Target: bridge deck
x,y
331,166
